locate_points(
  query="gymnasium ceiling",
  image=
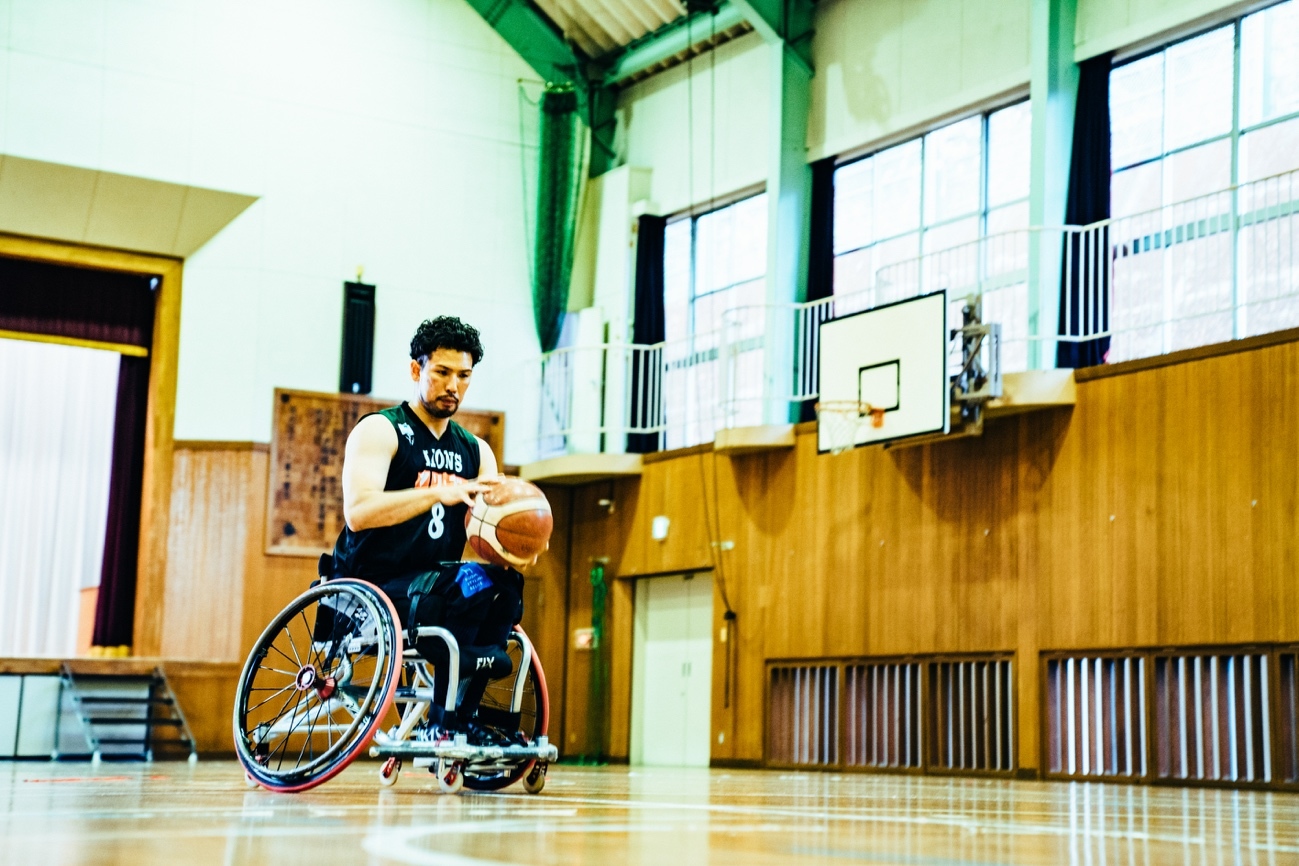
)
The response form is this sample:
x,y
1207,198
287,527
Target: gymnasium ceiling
x,y
599,27
604,30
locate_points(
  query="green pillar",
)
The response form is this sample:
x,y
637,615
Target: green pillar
x,y
1053,91
786,28
789,193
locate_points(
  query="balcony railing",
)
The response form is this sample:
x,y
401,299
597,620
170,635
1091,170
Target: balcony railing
x,y
1214,268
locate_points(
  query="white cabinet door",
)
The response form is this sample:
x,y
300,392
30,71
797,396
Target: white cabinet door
x,y
699,674
672,671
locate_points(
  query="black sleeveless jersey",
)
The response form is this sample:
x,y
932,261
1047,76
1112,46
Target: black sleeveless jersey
x,y
437,535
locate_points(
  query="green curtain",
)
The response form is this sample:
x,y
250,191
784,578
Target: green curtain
x,y
559,188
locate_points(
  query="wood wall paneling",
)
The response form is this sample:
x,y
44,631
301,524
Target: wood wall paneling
x,y
1159,511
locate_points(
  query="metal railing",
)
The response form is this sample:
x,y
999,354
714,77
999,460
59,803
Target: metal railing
x,y
1214,268
1211,269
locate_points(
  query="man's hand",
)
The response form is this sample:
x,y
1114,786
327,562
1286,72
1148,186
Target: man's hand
x,y
462,492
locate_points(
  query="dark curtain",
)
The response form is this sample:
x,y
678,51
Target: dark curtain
x,y
39,298
115,610
649,328
87,304
1087,263
820,249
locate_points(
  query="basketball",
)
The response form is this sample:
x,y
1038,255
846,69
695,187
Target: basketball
x,y
510,524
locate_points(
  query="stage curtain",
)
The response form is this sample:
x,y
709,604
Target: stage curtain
x,y
1088,201
648,329
39,298
88,304
820,251
57,406
560,178
115,610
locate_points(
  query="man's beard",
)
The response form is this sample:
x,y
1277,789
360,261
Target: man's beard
x,y
437,411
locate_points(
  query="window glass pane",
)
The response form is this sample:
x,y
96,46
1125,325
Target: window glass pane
x,y
953,234
1136,190
896,268
1197,88
1269,64
1270,150
1008,218
853,203
1010,140
1198,171
897,190
1136,111
731,244
952,170
676,279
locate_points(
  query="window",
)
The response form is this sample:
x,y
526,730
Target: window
x,y
940,196
715,267
1204,132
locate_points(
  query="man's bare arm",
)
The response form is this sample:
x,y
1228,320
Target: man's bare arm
x,y
487,467
366,505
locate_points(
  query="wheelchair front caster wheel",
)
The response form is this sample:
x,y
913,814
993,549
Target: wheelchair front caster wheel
x,y
536,778
389,772
451,777
249,781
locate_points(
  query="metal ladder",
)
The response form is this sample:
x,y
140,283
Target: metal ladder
x,y
119,721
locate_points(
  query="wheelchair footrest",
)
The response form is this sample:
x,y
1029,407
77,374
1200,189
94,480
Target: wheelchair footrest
x,y
542,750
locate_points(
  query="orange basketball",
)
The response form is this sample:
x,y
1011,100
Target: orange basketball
x,y
510,524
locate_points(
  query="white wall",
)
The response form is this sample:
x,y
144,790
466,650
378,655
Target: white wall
x,y
1106,25
886,66
382,133
656,122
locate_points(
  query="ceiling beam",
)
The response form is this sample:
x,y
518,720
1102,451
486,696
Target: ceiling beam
x,y
788,21
535,37
671,39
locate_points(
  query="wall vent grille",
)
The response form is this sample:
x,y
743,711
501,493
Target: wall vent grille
x,y
971,713
1095,716
882,705
1210,717
803,715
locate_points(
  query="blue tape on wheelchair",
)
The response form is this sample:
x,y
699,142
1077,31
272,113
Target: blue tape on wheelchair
x,y
472,579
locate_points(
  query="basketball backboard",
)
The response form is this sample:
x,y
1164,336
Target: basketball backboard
x,y
893,357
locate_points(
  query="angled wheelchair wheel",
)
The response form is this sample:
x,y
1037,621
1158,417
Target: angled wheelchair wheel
x,y
531,722
317,685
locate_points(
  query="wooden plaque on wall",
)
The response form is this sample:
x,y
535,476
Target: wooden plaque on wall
x,y
304,508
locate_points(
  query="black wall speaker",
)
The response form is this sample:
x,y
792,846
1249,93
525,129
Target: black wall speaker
x,y
357,366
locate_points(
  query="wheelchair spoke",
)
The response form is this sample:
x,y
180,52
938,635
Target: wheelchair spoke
x,y
290,674
306,745
289,733
283,653
279,715
271,698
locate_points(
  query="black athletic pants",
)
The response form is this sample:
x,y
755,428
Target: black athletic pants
x,y
479,605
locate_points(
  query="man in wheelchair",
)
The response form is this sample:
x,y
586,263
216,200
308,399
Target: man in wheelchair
x,y
409,477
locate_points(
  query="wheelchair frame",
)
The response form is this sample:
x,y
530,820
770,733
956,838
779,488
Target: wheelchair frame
x,y
327,679
455,757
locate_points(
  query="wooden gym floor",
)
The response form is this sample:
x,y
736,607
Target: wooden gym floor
x,y
173,813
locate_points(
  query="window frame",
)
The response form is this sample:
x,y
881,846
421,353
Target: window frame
x,y
693,214
1236,132
981,213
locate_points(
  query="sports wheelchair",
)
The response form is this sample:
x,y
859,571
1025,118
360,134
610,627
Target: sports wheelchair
x,y
330,672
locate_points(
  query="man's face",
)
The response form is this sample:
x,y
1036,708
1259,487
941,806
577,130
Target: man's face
x,y
442,381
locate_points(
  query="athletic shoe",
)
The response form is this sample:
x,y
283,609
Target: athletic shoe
x,y
486,735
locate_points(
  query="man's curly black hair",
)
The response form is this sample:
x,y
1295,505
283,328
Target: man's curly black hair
x,y
445,332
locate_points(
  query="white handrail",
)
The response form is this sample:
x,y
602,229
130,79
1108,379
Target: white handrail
x,y
1211,268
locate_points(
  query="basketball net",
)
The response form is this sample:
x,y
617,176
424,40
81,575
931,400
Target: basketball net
x,y
838,422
